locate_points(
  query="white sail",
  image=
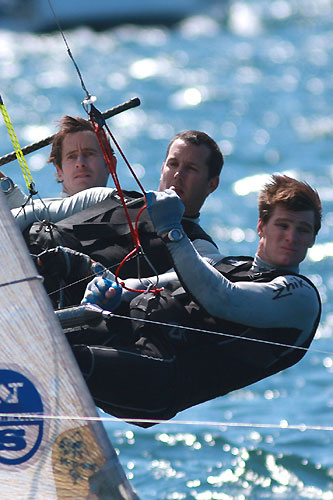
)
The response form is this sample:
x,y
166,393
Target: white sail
x,y
44,456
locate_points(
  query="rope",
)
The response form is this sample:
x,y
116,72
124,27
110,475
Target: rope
x,y
18,151
221,334
98,123
22,280
193,329
284,425
35,146
88,95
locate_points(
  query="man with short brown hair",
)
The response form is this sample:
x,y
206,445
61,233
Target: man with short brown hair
x,y
242,319
77,157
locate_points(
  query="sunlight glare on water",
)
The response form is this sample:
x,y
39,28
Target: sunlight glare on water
x,y
258,78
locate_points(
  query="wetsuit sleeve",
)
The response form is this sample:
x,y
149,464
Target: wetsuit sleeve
x,y
208,250
204,248
57,210
286,301
16,198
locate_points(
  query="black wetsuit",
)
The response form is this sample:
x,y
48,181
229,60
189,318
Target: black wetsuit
x,y
102,232
163,370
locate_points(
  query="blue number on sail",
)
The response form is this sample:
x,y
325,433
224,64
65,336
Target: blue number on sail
x,y
21,434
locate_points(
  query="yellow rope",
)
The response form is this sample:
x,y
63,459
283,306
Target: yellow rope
x,y
19,154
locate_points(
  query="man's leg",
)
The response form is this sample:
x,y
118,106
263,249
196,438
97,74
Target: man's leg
x,y
129,383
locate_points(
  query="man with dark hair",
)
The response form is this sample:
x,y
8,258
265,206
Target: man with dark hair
x,y
101,230
191,168
242,319
215,160
181,171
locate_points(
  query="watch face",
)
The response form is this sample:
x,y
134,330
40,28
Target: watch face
x,y
6,185
175,235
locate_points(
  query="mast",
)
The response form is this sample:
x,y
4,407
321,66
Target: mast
x,y
42,454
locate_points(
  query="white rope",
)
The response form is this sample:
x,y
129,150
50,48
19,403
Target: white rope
x,y
198,330
21,417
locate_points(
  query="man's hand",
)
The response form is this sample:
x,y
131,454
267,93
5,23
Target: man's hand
x,y
64,263
165,209
104,292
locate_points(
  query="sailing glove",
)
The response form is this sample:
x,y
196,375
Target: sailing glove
x,y
165,209
103,290
64,263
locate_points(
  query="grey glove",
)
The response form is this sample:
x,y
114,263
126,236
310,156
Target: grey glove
x,y
165,209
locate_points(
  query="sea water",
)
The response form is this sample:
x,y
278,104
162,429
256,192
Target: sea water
x,y
257,76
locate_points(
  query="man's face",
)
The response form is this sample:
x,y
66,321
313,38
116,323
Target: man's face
x,y
286,237
185,171
83,164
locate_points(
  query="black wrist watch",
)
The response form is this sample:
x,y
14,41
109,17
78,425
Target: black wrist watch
x,y
6,184
173,236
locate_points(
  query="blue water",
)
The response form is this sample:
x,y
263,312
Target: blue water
x,y
258,78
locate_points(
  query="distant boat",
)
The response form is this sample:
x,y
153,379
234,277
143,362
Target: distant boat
x,y
36,15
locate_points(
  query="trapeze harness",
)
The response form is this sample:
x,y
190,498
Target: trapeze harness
x,y
103,233
168,370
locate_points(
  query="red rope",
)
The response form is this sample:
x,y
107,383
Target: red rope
x,y
110,162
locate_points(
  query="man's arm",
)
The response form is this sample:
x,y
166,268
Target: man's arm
x,y
204,248
286,301
14,195
207,250
57,210
16,198
100,292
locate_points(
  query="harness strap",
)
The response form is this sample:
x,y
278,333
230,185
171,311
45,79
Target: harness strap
x,y
99,208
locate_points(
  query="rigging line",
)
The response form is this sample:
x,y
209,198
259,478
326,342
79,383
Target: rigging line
x,y
21,159
284,425
18,151
93,275
21,209
109,160
22,280
88,95
88,102
114,266
125,160
30,148
239,337
197,330
99,124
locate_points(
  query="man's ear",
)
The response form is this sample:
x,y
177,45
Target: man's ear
x,y
60,175
213,184
313,241
260,226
